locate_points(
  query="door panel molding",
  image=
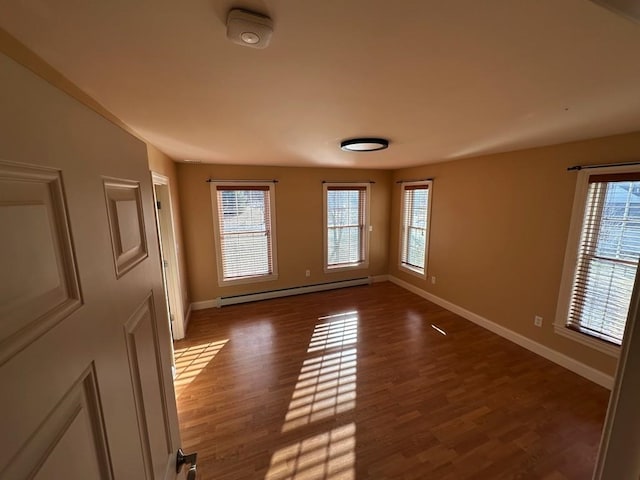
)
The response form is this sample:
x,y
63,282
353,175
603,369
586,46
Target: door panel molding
x,y
126,223
37,249
74,430
146,379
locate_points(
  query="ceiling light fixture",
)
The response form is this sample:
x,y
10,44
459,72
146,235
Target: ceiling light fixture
x,y
364,144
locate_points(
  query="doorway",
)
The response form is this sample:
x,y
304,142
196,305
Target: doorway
x,y
168,253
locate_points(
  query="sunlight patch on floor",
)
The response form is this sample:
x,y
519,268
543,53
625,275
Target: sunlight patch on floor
x,y
190,361
439,330
326,456
327,382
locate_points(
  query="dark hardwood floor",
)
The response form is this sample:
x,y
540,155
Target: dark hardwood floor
x,y
374,382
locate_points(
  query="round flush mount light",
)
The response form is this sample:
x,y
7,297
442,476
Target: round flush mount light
x,y
364,144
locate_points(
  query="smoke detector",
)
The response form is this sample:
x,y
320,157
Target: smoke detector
x,y
249,29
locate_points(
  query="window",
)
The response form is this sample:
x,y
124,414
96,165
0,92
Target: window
x,y
414,234
346,225
243,217
603,259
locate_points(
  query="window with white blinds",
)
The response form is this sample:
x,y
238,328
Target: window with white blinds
x,y
607,257
415,226
346,225
243,218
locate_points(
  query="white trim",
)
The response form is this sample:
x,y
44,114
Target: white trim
x,y
367,228
571,258
222,282
593,342
204,304
420,273
165,222
569,363
286,292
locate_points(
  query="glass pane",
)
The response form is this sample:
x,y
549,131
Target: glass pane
x,y
343,207
343,245
416,247
619,233
243,211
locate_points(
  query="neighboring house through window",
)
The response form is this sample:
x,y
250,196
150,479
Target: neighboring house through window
x,y
243,217
346,225
601,259
414,231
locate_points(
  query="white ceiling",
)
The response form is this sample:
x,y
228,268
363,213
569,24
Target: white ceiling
x,y
441,79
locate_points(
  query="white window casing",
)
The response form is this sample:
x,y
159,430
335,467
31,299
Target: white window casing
x,y
346,226
244,230
601,258
415,227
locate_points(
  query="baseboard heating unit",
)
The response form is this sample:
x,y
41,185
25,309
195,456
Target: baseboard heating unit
x,y
287,292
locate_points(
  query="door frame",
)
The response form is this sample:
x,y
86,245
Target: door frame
x,y
165,228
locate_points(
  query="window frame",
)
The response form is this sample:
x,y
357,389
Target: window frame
x,y
403,231
571,259
326,186
239,185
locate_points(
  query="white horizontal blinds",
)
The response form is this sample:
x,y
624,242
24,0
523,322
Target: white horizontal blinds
x,y
414,226
244,219
607,257
345,225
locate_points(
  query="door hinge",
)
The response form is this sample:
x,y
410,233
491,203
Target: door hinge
x,y
158,205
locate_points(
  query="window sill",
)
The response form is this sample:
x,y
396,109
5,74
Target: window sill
x,y
600,345
415,272
342,268
247,280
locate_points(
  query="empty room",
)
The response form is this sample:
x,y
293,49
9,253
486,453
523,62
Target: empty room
x,y
296,240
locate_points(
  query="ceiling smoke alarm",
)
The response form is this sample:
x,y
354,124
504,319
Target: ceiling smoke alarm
x,y
249,29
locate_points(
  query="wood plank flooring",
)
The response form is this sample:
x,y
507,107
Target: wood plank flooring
x,y
374,382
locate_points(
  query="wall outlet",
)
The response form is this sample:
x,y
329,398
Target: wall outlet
x,y
307,273
537,321
433,280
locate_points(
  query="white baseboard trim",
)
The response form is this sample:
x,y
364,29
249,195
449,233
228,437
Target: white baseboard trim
x,y
561,359
204,304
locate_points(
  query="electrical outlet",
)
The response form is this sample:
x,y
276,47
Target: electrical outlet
x,y
537,321
307,273
433,280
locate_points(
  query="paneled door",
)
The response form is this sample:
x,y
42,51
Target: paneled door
x,y
85,362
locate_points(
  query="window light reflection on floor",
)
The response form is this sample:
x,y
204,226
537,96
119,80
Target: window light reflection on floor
x,y
327,382
326,456
190,361
439,330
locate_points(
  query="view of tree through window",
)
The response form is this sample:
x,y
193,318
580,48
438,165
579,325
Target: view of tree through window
x,y
345,225
607,257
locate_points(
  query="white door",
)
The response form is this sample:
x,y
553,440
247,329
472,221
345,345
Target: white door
x,y
84,337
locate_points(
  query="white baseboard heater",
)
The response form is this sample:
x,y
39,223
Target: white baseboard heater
x,y
287,292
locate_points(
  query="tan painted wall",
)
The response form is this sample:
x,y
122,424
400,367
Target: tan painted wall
x,y
499,228
164,165
299,225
